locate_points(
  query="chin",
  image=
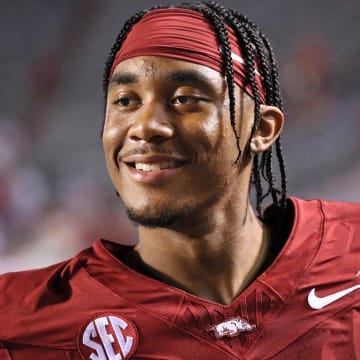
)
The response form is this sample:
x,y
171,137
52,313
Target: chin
x,y
160,219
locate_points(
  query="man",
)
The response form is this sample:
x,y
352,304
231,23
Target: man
x,y
193,112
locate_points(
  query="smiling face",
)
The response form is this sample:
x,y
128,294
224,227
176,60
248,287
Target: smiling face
x,y
169,146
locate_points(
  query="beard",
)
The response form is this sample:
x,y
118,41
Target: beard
x,y
163,218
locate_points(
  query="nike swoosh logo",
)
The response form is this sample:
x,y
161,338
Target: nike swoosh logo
x,y
317,303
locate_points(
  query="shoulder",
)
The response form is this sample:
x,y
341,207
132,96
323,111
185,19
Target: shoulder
x,y
36,297
51,284
34,290
44,307
329,210
343,211
25,296
338,223
30,286
47,306
332,231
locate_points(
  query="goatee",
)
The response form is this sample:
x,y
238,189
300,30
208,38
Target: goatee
x,y
164,218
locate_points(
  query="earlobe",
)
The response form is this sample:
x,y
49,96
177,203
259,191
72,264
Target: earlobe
x,y
268,130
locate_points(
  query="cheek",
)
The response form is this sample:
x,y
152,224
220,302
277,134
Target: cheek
x,y
204,132
114,134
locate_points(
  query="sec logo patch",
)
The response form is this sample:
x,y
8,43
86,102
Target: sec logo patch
x,y
107,337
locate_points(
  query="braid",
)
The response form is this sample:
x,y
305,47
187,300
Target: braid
x,y
249,58
282,168
256,49
221,33
249,37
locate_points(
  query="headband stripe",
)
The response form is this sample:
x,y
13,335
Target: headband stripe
x,y
185,35
242,62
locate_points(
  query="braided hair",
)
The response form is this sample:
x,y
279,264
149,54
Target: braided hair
x,y
254,45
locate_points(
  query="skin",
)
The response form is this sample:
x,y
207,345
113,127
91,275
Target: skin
x,y
217,246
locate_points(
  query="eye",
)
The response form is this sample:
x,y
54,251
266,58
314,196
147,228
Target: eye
x,y
123,101
126,102
186,100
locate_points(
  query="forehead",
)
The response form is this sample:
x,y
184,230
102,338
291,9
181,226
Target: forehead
x,y
166,69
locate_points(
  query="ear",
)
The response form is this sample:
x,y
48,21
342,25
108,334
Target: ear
x,y
268,130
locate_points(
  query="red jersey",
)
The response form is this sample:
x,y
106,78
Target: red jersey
x,y
306,305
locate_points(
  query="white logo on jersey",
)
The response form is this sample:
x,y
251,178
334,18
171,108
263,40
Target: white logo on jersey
x,y
231,327
108,338
317,303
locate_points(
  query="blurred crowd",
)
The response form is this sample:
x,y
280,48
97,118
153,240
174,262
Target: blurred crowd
x,y
43,220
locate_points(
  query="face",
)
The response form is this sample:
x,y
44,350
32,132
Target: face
x,y
169,146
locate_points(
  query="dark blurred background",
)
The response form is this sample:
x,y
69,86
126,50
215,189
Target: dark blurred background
x,y
55,195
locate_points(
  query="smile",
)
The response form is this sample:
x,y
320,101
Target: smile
x,y
156,166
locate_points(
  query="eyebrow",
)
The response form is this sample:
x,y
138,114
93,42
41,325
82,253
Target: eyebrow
x,y
181,76
123,79
191,76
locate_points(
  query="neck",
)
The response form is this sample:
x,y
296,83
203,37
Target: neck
x,y
212,260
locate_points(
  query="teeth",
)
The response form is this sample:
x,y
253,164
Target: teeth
x,y
155,166
146,167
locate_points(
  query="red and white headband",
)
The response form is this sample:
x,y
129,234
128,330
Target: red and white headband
x,y
184,34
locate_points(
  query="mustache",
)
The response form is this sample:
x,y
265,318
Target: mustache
x,y
152,149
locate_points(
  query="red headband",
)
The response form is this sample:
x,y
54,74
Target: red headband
x,y
185,35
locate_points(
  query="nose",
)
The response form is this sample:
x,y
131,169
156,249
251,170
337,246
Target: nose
x,y
151,124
